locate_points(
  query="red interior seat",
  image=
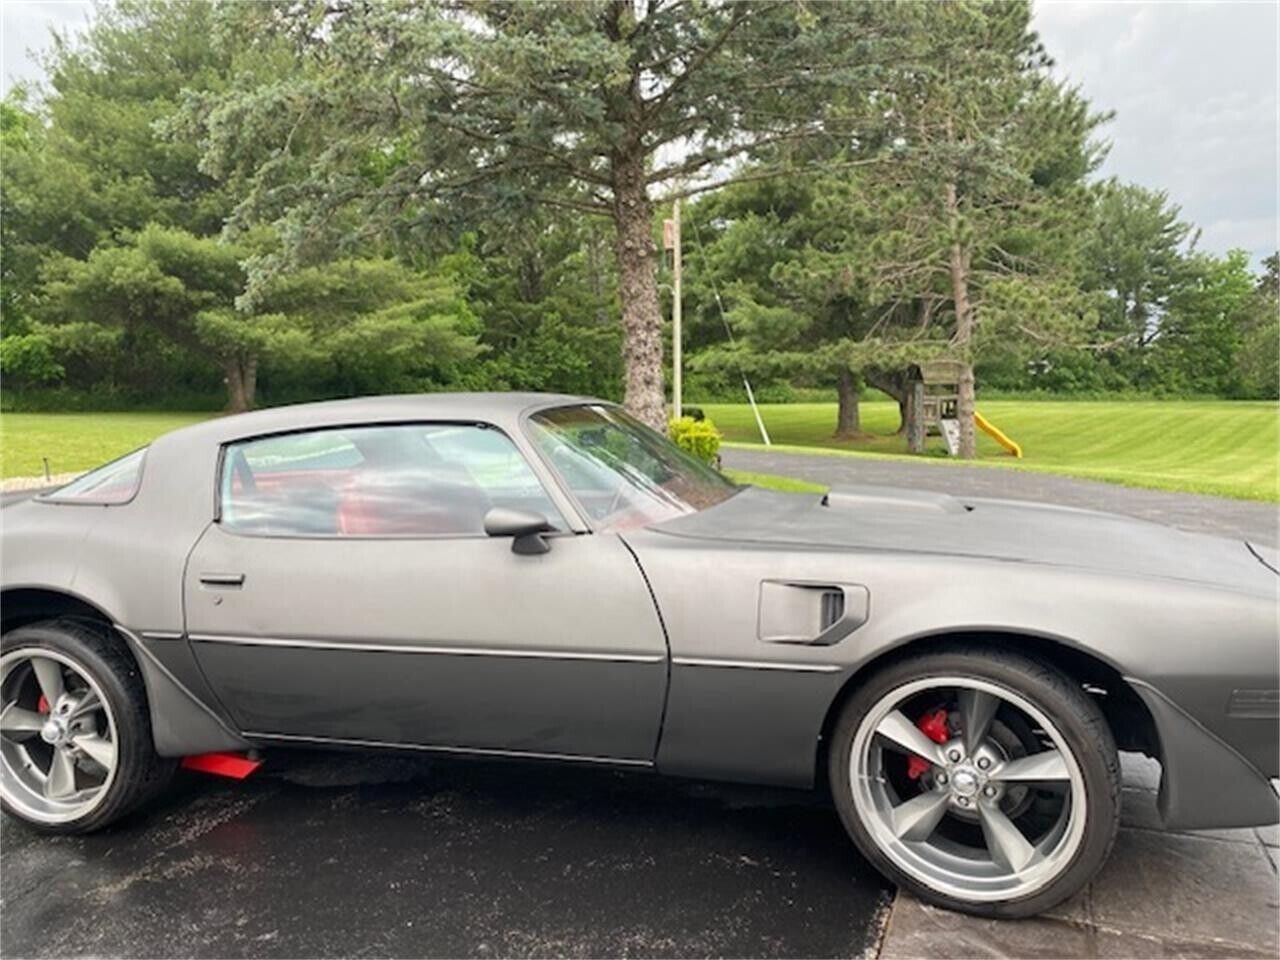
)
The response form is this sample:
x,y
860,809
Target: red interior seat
x,y
375,503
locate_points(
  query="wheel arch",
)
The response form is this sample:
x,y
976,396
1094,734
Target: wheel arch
x,y
20,605
1127,715
182,722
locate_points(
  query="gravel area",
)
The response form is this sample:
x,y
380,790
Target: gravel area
x,y
19,484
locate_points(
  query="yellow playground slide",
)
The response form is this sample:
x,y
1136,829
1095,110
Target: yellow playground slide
x,y
996,434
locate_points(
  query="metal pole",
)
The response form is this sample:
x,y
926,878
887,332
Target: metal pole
x,y
764,434
677,339
728,331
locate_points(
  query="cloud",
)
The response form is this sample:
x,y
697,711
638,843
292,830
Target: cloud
x,y
1194,87
26,26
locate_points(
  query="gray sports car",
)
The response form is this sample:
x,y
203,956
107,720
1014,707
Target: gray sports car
x,y
538,576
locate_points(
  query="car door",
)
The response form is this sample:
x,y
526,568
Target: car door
x,y
347,593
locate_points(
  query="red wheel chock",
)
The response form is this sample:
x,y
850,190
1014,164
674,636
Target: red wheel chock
x,y
237,766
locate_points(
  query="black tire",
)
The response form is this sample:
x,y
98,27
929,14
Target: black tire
x,y
1063,702
100,653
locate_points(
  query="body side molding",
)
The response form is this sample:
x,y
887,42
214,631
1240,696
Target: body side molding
x,y
756,665
358,647
461,751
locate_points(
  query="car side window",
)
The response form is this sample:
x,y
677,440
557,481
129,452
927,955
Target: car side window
x,y
110,485
405,480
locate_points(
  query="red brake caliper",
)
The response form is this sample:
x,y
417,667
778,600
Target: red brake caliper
x,y
934,726
42,705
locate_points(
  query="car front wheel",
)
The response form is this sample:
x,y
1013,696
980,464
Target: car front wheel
x,y
979,779
75,739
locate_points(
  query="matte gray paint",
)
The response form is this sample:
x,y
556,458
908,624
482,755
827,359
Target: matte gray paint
x,y
1147,624
938,524
1150,601
354,602
1203,784
180,722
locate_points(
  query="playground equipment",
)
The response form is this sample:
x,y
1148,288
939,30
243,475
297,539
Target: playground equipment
x,y
996,434
934,398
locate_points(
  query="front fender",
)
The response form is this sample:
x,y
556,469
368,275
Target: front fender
x,y
744,708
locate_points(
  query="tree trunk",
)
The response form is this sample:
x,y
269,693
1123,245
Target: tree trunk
x,y
963,339
906,408
966,403
914,416
638,291
897,385
595,272
235,387
250,378
849,416
242,383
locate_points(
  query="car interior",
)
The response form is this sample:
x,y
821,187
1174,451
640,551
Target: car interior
x,y
373,482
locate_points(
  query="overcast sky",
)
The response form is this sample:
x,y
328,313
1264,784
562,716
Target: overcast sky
x,y
1194,87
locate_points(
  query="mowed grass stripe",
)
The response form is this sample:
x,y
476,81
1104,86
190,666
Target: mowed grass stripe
x,y
1216,447
78,441
1229,449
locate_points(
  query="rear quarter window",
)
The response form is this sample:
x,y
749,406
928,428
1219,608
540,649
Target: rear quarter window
x,y
110,485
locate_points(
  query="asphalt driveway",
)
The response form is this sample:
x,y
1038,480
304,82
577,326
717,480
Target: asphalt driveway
x,y
1242,519
322,854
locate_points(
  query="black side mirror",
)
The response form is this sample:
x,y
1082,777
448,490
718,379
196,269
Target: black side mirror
x,y
525,526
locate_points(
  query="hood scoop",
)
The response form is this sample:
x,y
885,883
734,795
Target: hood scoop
x,y
892,498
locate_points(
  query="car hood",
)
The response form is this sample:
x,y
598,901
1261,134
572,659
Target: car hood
x,y
885,518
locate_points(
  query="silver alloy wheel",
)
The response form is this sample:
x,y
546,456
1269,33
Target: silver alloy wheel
x,y
58,746
954,825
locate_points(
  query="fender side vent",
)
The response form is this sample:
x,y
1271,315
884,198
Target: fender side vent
x,y
817,614
832,608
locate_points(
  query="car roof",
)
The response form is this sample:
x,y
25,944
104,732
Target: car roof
x,y
502,409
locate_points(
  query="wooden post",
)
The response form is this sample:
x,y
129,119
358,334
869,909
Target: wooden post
x,y
915,417
677,338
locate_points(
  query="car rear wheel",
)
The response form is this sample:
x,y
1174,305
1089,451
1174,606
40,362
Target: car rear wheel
x,y
75,739
980,780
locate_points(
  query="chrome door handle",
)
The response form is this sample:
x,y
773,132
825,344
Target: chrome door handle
x,y
222,579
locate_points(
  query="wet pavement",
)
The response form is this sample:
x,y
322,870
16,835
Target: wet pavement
x,y
323,854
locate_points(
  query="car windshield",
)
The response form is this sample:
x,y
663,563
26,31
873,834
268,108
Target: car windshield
x,y
622,473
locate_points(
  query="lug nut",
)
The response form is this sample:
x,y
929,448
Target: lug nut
x,y
963,801
954,755
942,779
984,762
989,791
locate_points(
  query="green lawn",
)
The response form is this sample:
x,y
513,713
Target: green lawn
x,y
1229,449
77,441
774,482
1217,447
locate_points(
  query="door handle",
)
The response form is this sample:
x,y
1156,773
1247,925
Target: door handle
x,y
222,579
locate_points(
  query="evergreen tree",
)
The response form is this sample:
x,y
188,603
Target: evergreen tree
x,y
406,111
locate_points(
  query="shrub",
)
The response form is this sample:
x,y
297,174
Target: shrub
x,y
697,437
29,359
